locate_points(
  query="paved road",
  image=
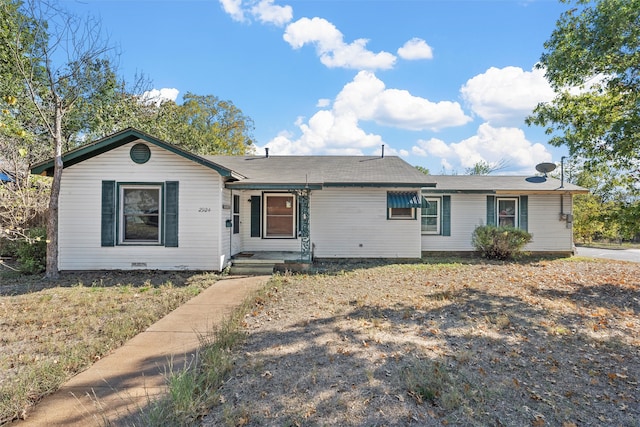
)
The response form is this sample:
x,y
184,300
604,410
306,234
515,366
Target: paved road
x,y
617,254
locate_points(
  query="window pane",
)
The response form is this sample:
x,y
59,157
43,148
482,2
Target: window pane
x,y
401,213
280,218
507,213
431,207
280,205
279,226
430,224
141,214
141,227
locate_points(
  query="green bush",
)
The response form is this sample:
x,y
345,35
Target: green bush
x,y
499,242
32,251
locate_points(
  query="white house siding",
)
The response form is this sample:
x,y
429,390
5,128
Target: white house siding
x,y
80,213
352,223
550,234
470,210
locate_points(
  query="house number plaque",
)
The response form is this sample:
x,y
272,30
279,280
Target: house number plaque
x,y
204,209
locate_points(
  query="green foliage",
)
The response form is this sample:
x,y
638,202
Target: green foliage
x,y
423,170
499,242
591,60
32,251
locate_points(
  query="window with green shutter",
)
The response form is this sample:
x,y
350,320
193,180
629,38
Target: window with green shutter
x,y
139,213
436,215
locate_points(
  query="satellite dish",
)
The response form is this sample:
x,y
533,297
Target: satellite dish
x,y
545,168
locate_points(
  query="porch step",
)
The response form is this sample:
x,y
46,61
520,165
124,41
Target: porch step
x,y
254,269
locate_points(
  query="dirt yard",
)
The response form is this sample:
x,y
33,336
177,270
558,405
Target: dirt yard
x,y
543,343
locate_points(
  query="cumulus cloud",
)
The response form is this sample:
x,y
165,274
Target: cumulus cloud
x,y
365,99
332,49
267,12
368,97
415,49
158,96
322,103
263,10
501,95
234,9
490,144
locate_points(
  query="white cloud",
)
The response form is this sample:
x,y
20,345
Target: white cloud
x,y
322,103
415,49
491,145
234,9
510,93
158,96
365,99
332,49
267,12
367,96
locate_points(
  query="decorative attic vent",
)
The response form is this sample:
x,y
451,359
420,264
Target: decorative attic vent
x,y
140,153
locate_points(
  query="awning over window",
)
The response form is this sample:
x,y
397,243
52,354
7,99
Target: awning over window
x,y
403,200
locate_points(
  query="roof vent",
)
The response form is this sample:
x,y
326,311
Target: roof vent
x,y
266,152
382,155
140,153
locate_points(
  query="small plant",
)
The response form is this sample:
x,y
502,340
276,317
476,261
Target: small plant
x,y
32,251
499,242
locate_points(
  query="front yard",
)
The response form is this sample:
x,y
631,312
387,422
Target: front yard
x,y
444,342
549,342
50,331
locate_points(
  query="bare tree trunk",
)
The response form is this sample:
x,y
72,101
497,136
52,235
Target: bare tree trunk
x,y
52,221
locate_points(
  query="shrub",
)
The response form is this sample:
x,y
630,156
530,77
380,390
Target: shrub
x,y
32,251
499,242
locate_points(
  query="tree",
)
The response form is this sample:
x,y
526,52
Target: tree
x,y
486,168
203,125
54,90
592,61
423,170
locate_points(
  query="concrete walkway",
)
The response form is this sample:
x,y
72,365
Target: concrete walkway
x,y
125,381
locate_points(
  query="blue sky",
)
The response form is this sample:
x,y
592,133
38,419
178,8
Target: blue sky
x,y
443,84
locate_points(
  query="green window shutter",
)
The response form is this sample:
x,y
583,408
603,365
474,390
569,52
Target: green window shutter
x,y
524,213
255,216
108,223
491,210
446,215
171,214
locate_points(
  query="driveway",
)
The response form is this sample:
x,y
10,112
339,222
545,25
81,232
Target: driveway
x,y
632,255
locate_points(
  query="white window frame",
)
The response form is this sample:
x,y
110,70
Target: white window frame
x,y
265,217
121,217
515,201
438,215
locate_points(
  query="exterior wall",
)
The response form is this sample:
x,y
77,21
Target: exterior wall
x,y
199,215
469,211
352,223
549,233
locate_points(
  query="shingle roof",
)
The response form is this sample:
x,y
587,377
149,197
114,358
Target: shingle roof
x,y
323,170
501,184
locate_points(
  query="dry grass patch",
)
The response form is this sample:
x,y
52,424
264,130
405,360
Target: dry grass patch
x,y
551,342
50,331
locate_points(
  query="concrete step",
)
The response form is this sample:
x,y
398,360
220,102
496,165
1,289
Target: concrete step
x,y
257,269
